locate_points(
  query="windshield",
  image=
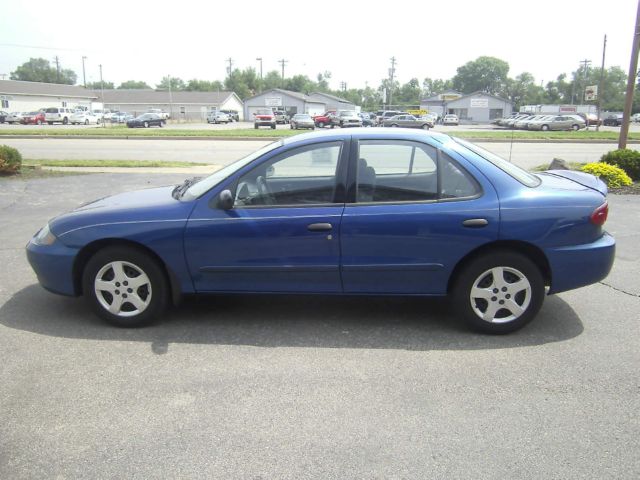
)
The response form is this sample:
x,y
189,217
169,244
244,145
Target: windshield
x,y
302,117
347,113
516,172
264,112
215,178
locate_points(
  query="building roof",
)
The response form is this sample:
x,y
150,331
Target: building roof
x,y
17,87
332,97
154,97
298,95
438,97
481,93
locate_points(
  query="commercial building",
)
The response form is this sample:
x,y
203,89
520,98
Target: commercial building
x,y
295,102
477,107
19,96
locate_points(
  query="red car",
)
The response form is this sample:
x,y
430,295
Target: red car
x,y
33,118
324,119
264,118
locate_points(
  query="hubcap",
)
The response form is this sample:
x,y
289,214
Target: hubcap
x,y
123,289
500,295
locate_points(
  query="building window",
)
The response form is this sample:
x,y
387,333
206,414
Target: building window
x,y
64,104
182,110
5,103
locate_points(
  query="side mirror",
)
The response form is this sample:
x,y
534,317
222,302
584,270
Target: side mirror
x,y
225,200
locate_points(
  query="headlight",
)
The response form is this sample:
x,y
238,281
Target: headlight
x,y
44,236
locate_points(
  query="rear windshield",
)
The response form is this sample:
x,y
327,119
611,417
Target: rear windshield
x,y
516,172
51,110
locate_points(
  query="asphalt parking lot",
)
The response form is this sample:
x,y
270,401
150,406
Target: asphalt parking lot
x,y
311,387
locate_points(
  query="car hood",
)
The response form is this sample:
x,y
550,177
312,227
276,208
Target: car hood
x,y
147,205
581,178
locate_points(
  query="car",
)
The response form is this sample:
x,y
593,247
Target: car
x,y
557,122
84,117
408,121
218,117
264,117
302,120
324,119
450,119
58,115
146,120
383,115
635,117
234,116
357,212
613,120
591,119
367,119
120,117
346,118
281,116
522,123
578,121
161,113
14,117
33,118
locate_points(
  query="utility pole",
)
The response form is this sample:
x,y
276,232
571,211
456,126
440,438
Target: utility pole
x,y
601,86
57,69
171,99
259,59
104,123
631,83
84,76
343,86
230,67
585,65
392,72
283,62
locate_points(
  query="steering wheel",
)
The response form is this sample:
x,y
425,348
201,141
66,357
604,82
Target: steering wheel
x,y
264,191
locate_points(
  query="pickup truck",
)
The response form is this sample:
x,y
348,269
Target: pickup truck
x,y
324,119
163,115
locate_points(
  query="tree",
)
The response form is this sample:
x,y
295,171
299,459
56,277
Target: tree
x,y
40,70
203,86
485,74
523,90
433,87
409,93
98,85
300,83
272,79
134,85
174,82
322,83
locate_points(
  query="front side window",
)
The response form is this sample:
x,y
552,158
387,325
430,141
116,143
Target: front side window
x,y
304,176
403,171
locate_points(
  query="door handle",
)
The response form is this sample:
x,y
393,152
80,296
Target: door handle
x,y
475,223
319,227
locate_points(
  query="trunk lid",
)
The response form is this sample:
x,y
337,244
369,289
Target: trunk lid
x,y
581,178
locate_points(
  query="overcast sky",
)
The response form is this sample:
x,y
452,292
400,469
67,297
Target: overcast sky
x,y
354,40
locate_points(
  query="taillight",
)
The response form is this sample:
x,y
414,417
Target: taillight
x,y
599,215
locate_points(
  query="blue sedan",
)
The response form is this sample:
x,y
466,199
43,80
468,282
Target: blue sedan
x,y
356,212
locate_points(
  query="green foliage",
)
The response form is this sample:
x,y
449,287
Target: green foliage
x,y
134,85
99,85
173,83
613,176
40,70
195,85
431,87
485,74
10,160
625,158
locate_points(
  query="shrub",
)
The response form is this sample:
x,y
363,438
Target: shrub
x,y
10,160
626,159
613,176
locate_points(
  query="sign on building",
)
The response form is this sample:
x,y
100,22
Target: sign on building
x,y
568,109
479,103
591,93
273,101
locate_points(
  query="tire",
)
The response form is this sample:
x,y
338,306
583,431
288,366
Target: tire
x,y
320,124
38,122
394,125
520,304
86,122
137,304
65,121
146,124
426,126
292,127
544,128
575,128
255,126
50,123
273,127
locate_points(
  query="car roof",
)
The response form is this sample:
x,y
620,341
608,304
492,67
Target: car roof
x,y
368,134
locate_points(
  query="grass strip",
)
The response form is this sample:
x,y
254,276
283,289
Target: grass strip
x,y
108,163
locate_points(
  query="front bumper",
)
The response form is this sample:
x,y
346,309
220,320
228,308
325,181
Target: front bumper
x,y
53,265
580,265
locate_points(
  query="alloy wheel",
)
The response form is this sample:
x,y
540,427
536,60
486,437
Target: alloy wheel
x,y
500,295
123,289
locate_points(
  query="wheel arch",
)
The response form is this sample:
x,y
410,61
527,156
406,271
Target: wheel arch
x,y
532,252
85,254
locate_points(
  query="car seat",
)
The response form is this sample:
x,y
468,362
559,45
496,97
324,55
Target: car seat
x,y
366,181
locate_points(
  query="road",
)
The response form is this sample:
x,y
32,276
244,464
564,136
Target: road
x,y
223,152
310,387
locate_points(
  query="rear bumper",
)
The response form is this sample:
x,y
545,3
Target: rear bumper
x,y
53,265
580,265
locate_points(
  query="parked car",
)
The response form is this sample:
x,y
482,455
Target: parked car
x,y
591,119
218,117
557,122
281,116
635,117
161,113
146,120
103,114
120,117
579,121
33,118
233,115
58,115
408,121
339,213
450,119
387,114
84,117
367,119
346,118
302,120
324,119
613,121
264,118
521,123
14,117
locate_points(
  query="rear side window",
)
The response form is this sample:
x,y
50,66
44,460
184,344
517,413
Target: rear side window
x,y
51,110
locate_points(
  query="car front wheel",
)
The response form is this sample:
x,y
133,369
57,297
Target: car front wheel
x,y
499,292
146,124
125,286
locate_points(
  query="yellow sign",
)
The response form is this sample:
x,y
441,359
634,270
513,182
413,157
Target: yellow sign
x,y
417,112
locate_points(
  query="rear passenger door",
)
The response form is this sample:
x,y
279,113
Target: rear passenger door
x,y
413,212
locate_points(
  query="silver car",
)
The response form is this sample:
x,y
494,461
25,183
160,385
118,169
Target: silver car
x,y
302,120
557,122
218,117
408,121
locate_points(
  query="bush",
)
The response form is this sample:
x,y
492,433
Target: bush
x,y
613,176
628,160
10,160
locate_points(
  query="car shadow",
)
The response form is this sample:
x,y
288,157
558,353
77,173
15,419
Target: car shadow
x,y
406,323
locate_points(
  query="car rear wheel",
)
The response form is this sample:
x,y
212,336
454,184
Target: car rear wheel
x,y
146,124
38,122
426,126
575,127
65,121
544,128
499,292
125,286
320,124
86,122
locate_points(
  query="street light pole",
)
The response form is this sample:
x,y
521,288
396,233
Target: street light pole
x,y
259,59
84,77
631,83
104,124
601,86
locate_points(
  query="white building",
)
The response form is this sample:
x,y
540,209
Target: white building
x,y
18,96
